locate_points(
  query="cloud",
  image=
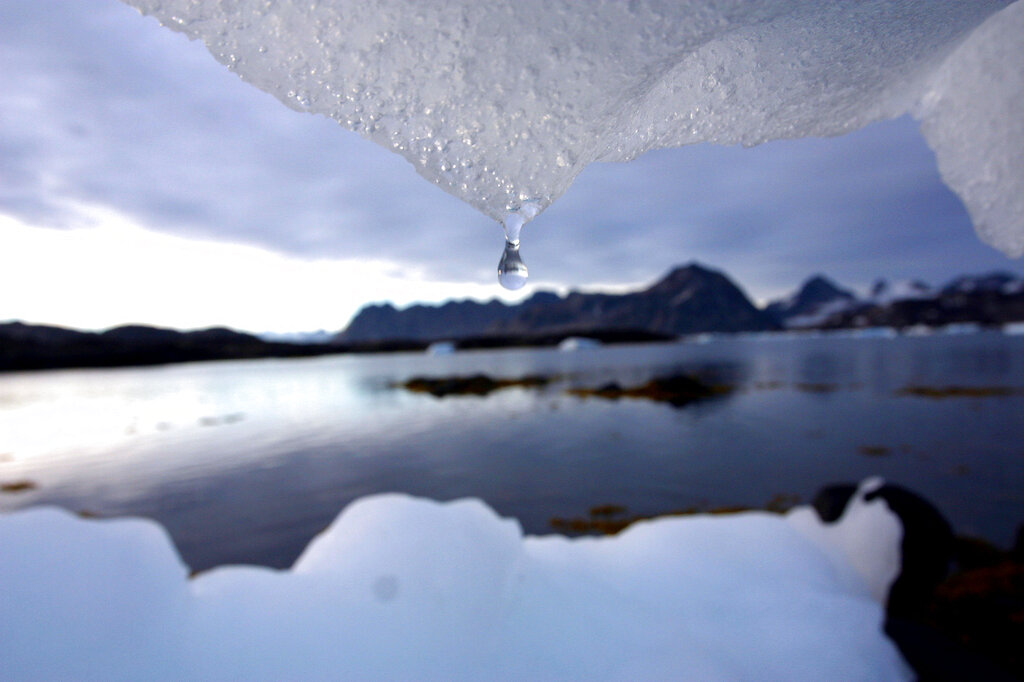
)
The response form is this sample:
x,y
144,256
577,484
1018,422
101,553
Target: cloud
x,y
101,106
860,206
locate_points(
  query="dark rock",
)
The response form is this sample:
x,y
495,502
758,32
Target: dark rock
x,y
936,657
17,487
677,390
948,629
830,502
476,384
926,550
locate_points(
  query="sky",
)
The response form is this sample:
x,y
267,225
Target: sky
x,y
142,182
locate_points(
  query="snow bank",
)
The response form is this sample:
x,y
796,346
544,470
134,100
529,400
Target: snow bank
x,y
506,101
403,588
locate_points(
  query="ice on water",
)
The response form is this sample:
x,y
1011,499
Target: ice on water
x,y
506,101
405,588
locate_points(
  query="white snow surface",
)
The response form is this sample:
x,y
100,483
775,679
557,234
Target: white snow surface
x,y
506,101
404,588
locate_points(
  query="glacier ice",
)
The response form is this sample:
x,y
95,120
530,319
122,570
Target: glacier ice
x,y
405,588
506,101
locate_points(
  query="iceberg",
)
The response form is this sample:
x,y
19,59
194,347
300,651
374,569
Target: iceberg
x,y
406,588
502,103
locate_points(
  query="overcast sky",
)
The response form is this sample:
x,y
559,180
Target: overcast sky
x,y
140,181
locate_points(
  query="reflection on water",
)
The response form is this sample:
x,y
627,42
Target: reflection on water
x,y
245,461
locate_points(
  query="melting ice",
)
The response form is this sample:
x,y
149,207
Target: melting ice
x,y
508,100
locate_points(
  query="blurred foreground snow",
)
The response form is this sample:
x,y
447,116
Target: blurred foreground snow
x,y
404,588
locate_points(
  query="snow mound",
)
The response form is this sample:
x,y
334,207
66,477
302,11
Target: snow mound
x,y
404,588
506,101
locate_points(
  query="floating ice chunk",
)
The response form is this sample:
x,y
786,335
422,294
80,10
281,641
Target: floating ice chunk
x,y
441,348
576,343
404,588
506,101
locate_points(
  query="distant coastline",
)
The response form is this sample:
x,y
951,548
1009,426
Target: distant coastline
x,y
25,347
689,300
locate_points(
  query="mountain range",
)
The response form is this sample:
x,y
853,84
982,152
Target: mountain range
x,y
988,300
694,299
28,346
690,299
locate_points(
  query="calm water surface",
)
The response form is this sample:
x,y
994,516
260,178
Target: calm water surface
x,y
244,462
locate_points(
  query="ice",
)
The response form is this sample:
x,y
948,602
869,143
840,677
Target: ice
x,y
405,588
512,272
505,102
971,116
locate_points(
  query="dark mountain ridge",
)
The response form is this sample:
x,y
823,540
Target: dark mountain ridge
x,y
989,299
25,347
815,293
690,299
453,319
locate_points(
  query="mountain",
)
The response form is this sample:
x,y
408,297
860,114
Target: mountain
x,y
816,300
990,299
1003,282
884,292
452,320
24,346
689,299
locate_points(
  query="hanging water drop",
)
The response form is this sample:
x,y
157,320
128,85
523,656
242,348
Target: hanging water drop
x,y
512,272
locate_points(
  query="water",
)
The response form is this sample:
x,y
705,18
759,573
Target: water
x,y
512,272
245,461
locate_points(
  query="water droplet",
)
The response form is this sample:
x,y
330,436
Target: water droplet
x,y
512,272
